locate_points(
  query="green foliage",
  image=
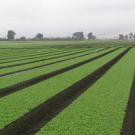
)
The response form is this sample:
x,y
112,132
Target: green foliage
x,y
13,79
21,102
101,109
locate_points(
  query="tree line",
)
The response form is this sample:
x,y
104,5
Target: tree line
x,y
129,36
76,36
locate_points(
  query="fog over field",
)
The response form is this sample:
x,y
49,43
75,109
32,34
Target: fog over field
x,y
63,17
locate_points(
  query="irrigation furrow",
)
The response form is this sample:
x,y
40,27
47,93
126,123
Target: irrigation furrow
x,y
48,64
31,122
128,127
19,86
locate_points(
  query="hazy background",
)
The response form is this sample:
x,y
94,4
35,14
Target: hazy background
x,y
105,18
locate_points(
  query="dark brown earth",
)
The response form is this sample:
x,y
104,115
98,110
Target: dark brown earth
x,y
19,86
128,127
32,121
43,65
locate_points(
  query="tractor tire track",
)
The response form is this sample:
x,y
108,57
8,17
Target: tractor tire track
x,y
128,127
31,122
19,86
48,64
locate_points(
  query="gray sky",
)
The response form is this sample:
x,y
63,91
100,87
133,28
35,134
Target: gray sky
x,y
63,17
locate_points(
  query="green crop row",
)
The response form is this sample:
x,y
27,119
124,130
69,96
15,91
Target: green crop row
x,y
50,60
101,109
28,54
15,105
18,52
11,50
39,57
33,54
13,79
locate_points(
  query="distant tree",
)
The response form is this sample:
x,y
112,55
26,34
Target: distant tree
x,y
91,36
78,36
23,38
131,36
134,36
11,35
39,36
94,38
121,37
126,37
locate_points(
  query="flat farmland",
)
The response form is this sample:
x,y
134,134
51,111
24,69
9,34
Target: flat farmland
x,y
67,87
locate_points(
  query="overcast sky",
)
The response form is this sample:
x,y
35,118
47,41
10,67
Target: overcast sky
x,y
63,17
